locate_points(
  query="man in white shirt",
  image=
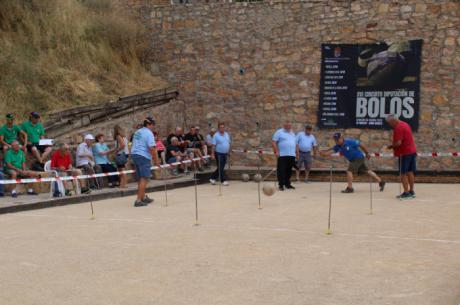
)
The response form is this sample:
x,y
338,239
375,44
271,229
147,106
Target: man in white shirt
x,y
85,160
305,145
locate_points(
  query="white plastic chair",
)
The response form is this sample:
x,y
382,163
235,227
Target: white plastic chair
x,y
60,185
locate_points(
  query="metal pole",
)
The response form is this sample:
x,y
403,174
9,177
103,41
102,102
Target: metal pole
x,y
329,231
196,195
258,183
164,184
92,208
220,177
370,188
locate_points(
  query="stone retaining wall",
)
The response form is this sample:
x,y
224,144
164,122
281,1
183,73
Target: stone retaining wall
x,y
201,49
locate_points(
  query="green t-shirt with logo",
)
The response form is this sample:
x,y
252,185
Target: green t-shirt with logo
x,y
10,134
15,158
34,132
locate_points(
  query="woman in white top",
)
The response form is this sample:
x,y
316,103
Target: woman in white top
x,y
122,152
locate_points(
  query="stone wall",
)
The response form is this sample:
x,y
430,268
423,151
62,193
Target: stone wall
x,y
201,48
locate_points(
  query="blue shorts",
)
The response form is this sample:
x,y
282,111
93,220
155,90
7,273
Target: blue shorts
x,y
142,166
408,163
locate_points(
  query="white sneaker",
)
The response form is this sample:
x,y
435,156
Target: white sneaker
x,y
225,183
213,182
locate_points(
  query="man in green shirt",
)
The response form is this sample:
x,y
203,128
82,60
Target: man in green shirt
x,y
35,131
10,132
15,167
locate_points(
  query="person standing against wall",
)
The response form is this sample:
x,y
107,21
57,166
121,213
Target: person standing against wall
x,y
306,145
221,143
284,146
404,148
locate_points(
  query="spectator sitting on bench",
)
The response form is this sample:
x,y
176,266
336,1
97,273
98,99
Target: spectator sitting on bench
x,y
15,167
10,132
61,161
35,132
85,161
101,152
194,146
174,154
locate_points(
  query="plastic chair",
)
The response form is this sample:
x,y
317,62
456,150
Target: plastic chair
x,y
59,184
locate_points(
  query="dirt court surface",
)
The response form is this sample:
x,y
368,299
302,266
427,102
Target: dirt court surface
x,y
407,252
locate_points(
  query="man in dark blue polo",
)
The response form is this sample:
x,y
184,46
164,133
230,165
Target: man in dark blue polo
x,y
353,150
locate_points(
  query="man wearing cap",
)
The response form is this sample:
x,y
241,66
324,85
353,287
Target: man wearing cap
x,y
306,143
142,152
85,161
284,146
404,148
10,132
35,131
353,150
15,167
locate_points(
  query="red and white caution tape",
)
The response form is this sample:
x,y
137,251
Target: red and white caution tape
x,y
374,155
69,178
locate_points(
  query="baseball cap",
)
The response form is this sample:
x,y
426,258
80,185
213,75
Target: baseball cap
x,y
35,115
89,137
10,116
337,135
149,120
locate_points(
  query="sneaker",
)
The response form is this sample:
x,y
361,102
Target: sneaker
x,y
307,181
2,195
405,196
31,193
68,193
147,199
213,181
281,188
225,183
57,194
412,193
139,203
348,190
290,187
14,195
382,185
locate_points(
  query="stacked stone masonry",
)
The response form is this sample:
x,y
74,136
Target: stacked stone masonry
x,y
201,48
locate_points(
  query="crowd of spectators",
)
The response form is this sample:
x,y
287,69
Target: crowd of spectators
x,y
26,153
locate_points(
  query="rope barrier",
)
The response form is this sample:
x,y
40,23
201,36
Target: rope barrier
x,y
374,155
81,177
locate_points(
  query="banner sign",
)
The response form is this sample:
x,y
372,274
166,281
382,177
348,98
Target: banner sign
x,y
362,83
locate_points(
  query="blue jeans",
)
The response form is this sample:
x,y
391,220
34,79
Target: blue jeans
x,y
221,160
1,185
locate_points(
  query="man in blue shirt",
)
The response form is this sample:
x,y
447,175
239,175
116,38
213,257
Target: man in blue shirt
x,y
142,152
221,143
353,150
284,146
306,144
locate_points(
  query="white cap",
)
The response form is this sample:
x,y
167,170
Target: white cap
x,y
89,137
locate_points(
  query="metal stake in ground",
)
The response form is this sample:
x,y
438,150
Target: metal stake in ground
x,y
370,188
400,177
258,182
92,208
329,231
165,186
220,174
196,195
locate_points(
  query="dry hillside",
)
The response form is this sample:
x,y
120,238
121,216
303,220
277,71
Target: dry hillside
x,y
56,54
